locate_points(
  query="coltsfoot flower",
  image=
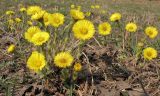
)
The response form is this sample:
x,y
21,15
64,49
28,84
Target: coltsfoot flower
x,y
104,28
46,18
151,32
23,9
38,15
131,27
77,67
10,12
83,29
39,38
11,48
115,17
63,59
30,32
36,61
18,20
77,14
149,53
33,10
56,19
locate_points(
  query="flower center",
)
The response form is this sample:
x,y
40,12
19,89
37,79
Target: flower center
x,y
104,28
150,32
83,31
40,39
149,54
56,20
63,60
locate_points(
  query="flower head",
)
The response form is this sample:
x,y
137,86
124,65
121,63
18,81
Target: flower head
x,y
56,19
151,32
18,20
46,18
33,10
36,61
72,6
9,12
104,28
29,23
131,27
63,59
149,53
77,14
30,32
77,67
83,29
22,9
11,48
115,17
38,15
40,37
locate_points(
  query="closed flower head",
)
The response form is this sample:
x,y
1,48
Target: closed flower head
x,y
131,27
63,59
56,19
83,29
11,48
149,53
30,32
115,17
36,61
39,38
151,32
104,28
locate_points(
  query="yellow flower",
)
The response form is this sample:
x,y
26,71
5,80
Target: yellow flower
x,y
77,67
151,32
36,61
149,53
11,48
77,14
38,15
40,37
10,21
92,6
46,18
22,9
79,8
131,27
63,59
57,19
9,12
72,6
104,28
88,14
97,6
140,44
18,20
115,17
30,32
33,10
103,11
29,23
83,29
